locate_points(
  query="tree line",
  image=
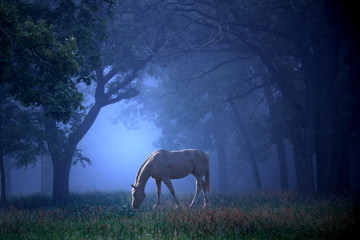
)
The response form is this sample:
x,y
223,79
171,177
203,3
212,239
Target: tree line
x,y
215,61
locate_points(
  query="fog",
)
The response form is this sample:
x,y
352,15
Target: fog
x,y
116,153
118,81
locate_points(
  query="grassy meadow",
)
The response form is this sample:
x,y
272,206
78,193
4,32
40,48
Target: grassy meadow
x,y
100,215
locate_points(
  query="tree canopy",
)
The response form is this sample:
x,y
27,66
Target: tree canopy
x,y
216,65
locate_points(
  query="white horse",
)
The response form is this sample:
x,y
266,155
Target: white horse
x,y
164,165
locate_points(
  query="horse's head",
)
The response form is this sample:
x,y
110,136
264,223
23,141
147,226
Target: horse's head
x,y
138,195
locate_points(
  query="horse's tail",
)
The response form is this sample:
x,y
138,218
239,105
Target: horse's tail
x,y
207,180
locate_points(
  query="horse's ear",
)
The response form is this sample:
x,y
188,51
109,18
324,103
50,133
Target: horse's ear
x,y
133,186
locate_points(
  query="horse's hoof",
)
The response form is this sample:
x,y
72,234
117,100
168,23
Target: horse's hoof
x,y
156,206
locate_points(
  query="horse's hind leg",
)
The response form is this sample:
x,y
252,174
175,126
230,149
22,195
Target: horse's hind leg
x,y
158,191
171,189
204,192
199,186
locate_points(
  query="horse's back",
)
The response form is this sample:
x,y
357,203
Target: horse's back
x,y
194,156
200,160
179,164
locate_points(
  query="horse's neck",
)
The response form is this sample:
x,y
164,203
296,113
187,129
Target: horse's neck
x,y
144,176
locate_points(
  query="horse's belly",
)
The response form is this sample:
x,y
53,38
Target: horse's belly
x,y
179,172
177,176
171,172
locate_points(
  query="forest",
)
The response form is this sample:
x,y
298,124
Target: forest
x,y
269,88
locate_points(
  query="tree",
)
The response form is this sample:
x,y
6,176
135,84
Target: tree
x,y
125,54
277,136
42,62
20,136
192,110
316,91
309,48
46,172
249,145
36,63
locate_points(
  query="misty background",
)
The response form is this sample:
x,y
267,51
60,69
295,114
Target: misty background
x,y
117,152
89,89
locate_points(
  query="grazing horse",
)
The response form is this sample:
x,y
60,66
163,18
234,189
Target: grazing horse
x,y
164,165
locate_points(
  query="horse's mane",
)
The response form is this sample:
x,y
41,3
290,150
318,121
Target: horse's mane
x,y
142,166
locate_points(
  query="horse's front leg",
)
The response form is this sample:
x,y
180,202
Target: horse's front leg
x,y
171,189
158,191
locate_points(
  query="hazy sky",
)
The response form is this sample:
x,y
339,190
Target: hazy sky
x,y
116,154
115,151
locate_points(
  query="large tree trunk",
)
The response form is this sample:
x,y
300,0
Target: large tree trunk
x,y
7,168
340,153
249,146
324,159
61,179
2,172
342,168
283,169
222,165
300,123
220,142
46,173
61,165
279,142
62,152
303,157
306,180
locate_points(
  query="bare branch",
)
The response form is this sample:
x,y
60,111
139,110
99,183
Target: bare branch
x,y
202,14
8,36
130,93
178,33
128,79
249,91
187,81
106,78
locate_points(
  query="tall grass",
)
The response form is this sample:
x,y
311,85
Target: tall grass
x,y
240,216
